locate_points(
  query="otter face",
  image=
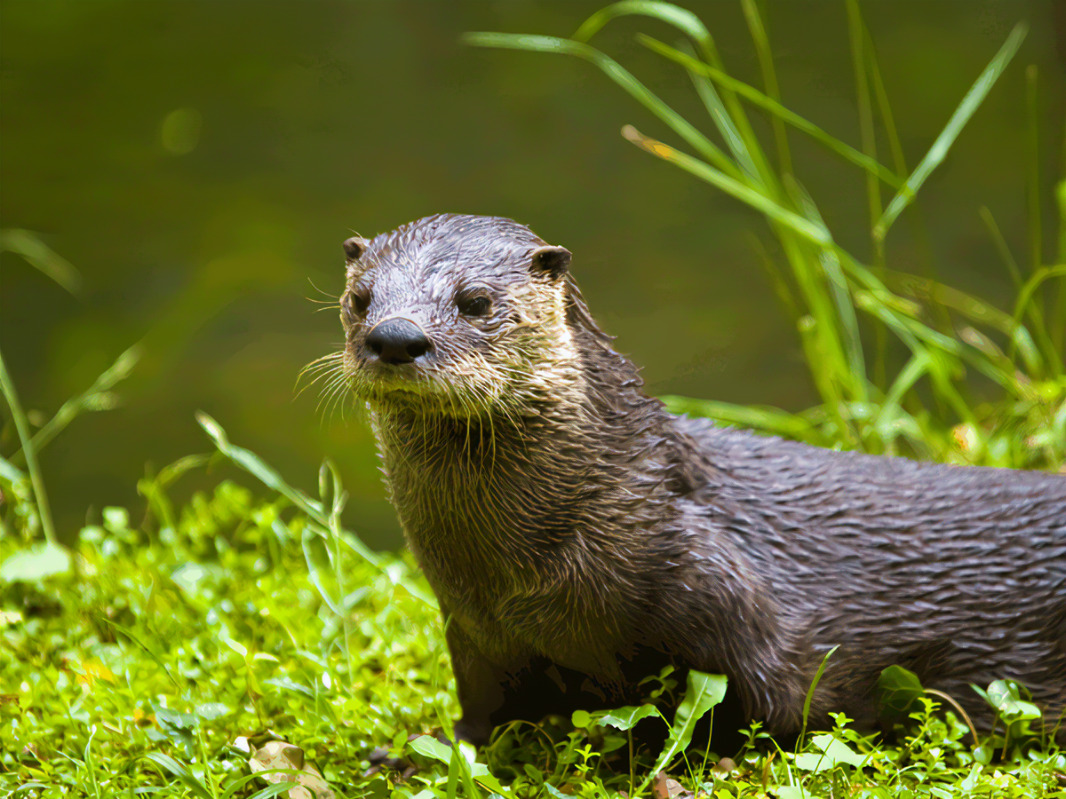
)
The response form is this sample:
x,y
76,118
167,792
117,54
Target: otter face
x,y
455,314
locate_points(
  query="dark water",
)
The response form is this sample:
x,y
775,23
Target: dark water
x,y
200,163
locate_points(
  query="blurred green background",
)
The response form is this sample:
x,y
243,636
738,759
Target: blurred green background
x,y
200,163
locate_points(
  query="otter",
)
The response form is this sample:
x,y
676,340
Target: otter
x,y
579,536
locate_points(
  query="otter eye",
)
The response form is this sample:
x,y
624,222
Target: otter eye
x,y
473,304
355,302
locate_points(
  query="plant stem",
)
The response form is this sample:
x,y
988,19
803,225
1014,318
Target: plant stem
x,y
7,387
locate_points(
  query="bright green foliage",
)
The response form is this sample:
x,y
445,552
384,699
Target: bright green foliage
x,y
146,658
178,642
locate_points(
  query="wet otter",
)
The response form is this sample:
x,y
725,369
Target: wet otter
x,y
578,535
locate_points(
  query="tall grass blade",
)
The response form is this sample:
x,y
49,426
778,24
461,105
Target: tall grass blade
x,y
866,116
770,420
94,398
1000,243
769,76
810,693
622,77
258,468
38,254
1027,299
884,107
1032,177
725,111
718,113
734,188
938,152
846,321
681,18
155,655
776,110
22,429
1058,332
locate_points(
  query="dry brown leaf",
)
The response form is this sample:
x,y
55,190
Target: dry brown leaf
x,y
724,766
283,755
663,787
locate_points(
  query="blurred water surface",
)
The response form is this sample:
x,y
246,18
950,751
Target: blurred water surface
x,y
200,163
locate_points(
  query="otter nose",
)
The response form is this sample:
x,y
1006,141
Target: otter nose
x,y
397,341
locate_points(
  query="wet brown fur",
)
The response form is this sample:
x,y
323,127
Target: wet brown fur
x,y
578,535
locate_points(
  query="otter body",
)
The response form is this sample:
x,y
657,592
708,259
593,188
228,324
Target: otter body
x,y
578,536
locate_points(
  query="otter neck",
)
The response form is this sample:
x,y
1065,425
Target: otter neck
x,y
503,488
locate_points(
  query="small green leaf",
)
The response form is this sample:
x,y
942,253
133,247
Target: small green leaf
x,y
1005,697
430,747
970,782
623,718
36,563
702,692
831,753
898,690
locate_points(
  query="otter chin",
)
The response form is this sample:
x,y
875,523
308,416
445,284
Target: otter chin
x,y
579,537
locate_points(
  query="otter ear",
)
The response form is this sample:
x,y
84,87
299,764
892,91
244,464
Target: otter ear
x,y
552,260
354,247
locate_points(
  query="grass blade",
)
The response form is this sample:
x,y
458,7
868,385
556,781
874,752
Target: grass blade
x,y
743,151
768,419
846,322
40,255
95,398
769,76
681,18
1026,299
728,115
22,429
258,468
734,188
866,116
1032,176
156,656
622,77
938,152
810,693
180,771
775,109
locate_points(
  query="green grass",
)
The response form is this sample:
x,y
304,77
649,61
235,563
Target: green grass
x,y
161,656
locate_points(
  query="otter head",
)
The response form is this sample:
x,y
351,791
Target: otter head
x,y
459,315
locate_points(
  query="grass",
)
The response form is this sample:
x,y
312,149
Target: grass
x,y
162,658
170,655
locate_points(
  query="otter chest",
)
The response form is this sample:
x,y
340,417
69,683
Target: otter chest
x,y
514,605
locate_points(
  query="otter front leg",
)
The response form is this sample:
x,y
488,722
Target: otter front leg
x,y
480,685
